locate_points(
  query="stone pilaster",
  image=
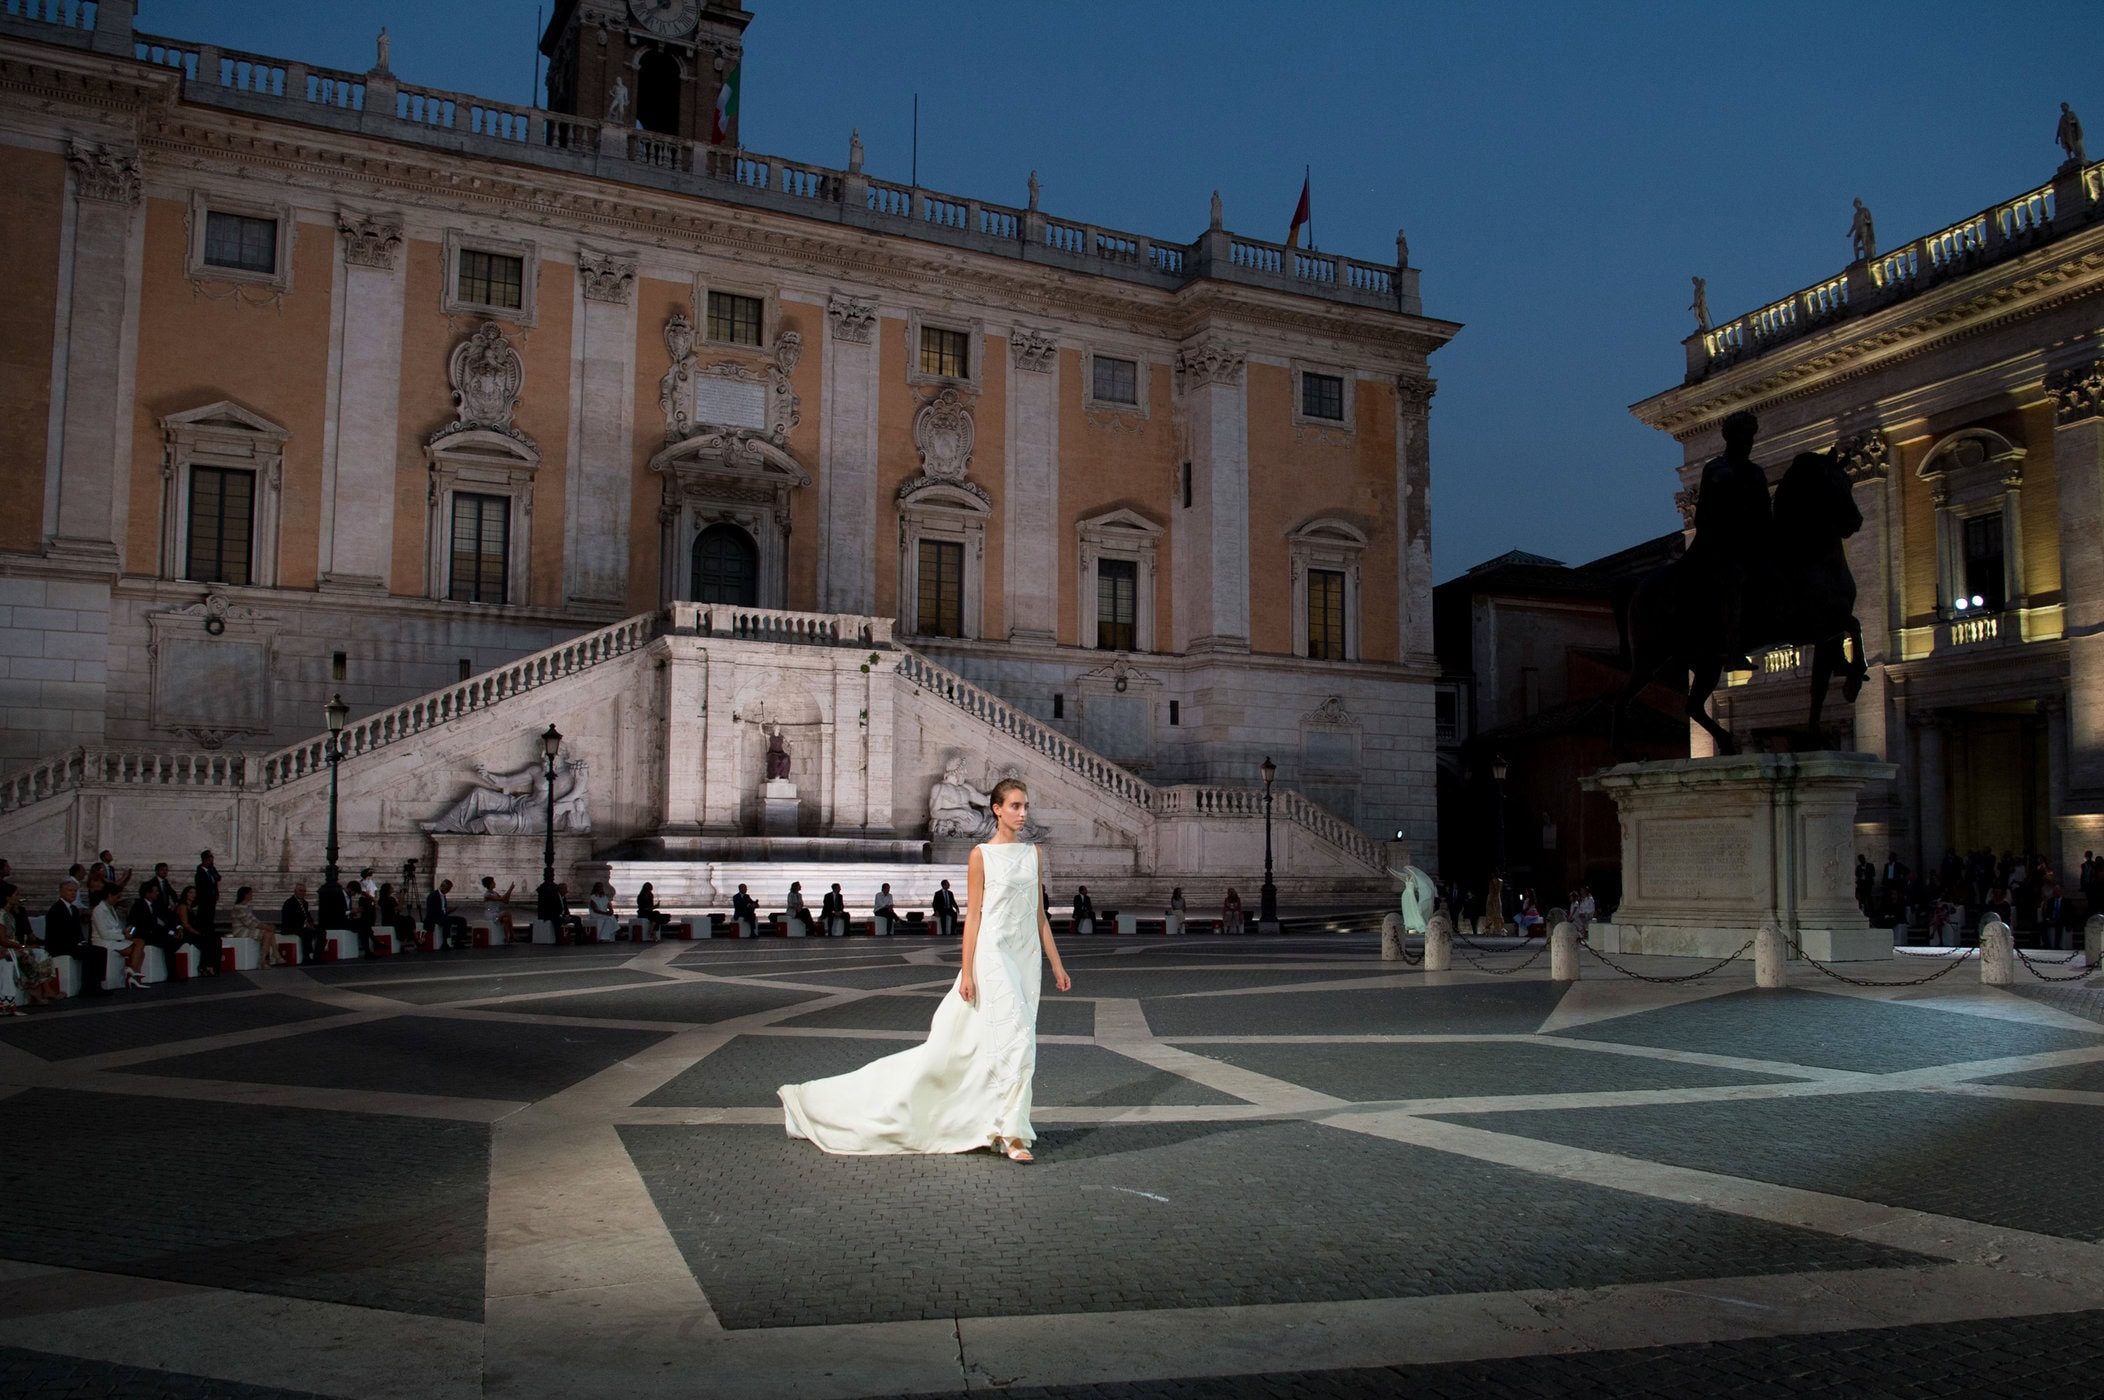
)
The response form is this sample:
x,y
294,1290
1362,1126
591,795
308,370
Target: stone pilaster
x,y
1867,458
1211,568
1030,496
2078,463
357,540
847,459
1932,831
1413,518
602,429
94,470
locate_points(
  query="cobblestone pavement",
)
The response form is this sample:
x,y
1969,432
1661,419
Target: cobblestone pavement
x,y
1268,1167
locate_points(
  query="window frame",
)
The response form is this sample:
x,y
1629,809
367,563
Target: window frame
x,y
942,548
479,463
502,503
1131,578
204,205
767,294
1331,545
1125,535
1347,390
759,318
1328,575
1141,375
974,332
946,512
1961,491
227,436
458,241
189,532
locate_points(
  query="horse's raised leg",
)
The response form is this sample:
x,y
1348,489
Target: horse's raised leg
x,y
1858,668
1705,675
1824,655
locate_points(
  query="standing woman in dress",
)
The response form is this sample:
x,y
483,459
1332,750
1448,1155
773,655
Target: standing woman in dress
x,y
968,1085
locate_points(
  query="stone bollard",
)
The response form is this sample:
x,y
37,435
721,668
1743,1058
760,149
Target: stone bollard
x,y
1997,953
1563,953
1391,938
2093,940
1556,915
1439,944
1769,955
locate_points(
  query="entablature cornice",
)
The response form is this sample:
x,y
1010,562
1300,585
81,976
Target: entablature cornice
x,y
83,79
1990,300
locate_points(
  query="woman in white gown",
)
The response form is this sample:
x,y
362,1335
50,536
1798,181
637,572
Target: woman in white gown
x,y
968,1085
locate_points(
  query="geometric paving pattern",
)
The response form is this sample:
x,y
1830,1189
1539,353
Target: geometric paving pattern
x,y
1266,1167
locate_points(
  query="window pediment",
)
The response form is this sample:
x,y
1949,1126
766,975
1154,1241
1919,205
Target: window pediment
x,y
740,454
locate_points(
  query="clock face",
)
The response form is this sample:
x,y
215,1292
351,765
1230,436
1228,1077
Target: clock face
x,y
667,18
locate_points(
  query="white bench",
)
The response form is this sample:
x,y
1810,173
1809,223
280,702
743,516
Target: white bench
x,y
339,945
156,968
642,931
247,955
289,952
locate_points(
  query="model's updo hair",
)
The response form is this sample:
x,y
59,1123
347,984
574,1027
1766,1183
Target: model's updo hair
x,y
1006,786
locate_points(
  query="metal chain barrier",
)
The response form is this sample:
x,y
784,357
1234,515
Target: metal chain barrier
x,y
1950,965
2089,969
1481,966
1716,966
1945,953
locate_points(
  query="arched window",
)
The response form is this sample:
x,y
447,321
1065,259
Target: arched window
x,y
726,567
657,93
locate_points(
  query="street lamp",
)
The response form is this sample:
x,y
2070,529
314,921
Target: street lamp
x,y
337,713
1267,904
1498,770
551,904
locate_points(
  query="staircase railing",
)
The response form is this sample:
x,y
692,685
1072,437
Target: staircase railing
x,y
1205,800
121,768
491,688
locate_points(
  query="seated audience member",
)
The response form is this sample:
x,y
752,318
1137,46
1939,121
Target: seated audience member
x,y
599,909
745,909
147,925
191,927
112,932
945,910
1176,900
1529,919
1231,913
495,907
448,929
335,904
365,917
1084,907
243,923
26,974
67,934
884,908
296,921
799,912
647,908
369,885
396,919
834,907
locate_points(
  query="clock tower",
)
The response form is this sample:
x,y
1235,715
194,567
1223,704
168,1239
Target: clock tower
x,y
662,65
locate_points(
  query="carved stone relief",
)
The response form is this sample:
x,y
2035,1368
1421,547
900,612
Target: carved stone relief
x,y
1209,362
853,319
516,803
944,432
1865,456
1033,351
488,375
106,173
369,240
2077,393
606,277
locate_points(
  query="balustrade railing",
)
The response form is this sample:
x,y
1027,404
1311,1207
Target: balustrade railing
x,y
121,768
2026,215
66,14
780,626
1966,631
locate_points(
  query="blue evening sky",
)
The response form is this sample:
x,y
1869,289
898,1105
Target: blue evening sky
x,y
1561,168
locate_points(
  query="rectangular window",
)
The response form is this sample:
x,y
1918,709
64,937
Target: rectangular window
x,y
941,612
1117,381
1445,711
734,320
1325,615
1322,396
1985,576
1530,690
947,353
1117,599
481,548
238,241
1059,704
340,666
222,525
492,279
1176,712
1187,485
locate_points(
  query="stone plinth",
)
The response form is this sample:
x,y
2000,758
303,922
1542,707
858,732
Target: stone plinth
x,y
1712,848
778,808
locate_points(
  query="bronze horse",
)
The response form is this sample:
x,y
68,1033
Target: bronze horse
x,y
1798,590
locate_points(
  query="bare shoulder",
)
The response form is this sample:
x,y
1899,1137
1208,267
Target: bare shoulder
x,y
977,861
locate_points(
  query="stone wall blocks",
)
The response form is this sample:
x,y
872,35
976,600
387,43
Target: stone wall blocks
x,y
40,668
49,619
78,646
23,592
71,593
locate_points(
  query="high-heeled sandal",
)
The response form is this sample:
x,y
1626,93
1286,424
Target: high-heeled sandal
x,y
1013,1149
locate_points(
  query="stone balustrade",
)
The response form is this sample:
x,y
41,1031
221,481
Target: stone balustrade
x,y
121,768
378,104
2004,230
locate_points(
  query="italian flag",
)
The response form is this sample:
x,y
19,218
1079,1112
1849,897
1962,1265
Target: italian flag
x,y
1300,215
726,108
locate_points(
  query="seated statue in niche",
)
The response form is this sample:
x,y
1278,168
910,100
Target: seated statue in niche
x,y
777,756
516,803
959,811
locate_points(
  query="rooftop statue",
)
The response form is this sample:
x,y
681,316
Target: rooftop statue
x,y
1700,305
2069,135
1862,234
1754,577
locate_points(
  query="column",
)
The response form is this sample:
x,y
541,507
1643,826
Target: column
x,y
1932,834
1866,457
602,431
2053,711
685,740
358,470
94,467
1413,519
2078,465
1030,496
1211,611
847,459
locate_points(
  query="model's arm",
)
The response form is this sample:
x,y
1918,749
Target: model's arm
x,y
1044,933
974,887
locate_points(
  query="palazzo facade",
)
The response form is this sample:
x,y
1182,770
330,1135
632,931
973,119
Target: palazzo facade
x,y
322,382
1959,377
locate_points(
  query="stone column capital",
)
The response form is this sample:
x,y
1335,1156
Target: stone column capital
x,y
1865,456
854,319
607,277
103,172
1210,361
369,240
1033,350
2077,393
1413,394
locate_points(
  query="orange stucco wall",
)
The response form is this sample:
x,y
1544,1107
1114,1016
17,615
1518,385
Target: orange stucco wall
x,y
29,229
1108,461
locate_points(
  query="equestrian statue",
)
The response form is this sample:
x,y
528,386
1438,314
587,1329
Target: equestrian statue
x,y
1757,575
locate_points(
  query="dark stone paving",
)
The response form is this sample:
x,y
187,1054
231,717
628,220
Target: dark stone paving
x,y
1165,1216
1834,1032
1119,979
423,1055
2088,1078
2084,999
41,1375
1943,1153
702,1003
1055,1015
1494,1008
865,978
512,957
746,1072
2036,1358
1410,1071
444,987
355,1208
135,1025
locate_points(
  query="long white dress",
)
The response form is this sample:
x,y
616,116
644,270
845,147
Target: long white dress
x,y
969,1082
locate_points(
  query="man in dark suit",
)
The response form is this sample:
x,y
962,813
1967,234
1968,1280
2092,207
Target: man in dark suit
x,y
206,880
945,910
147,923
1084,907
296,920
834,907
335,908
448,929
745,909
66,935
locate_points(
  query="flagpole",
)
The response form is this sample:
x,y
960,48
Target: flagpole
x,y
1307,182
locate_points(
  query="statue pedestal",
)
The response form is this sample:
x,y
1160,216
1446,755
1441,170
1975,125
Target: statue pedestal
x,y
778,808
1712,848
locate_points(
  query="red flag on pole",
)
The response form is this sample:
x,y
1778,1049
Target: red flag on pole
x,y
1300,216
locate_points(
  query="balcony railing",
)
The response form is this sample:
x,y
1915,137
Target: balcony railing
x,y
1971,631
2005,230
